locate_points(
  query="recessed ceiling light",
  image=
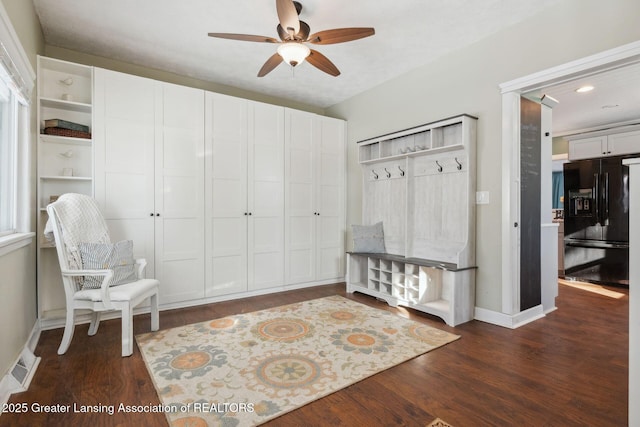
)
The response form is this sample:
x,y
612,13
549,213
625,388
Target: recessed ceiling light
x,y
583,89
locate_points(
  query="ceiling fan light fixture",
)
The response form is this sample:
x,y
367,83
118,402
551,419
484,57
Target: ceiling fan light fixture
x,y
293,53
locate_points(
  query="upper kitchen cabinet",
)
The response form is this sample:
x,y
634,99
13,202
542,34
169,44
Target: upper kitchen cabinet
x,y
605,143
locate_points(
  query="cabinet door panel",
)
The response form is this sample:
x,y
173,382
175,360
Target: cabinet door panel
x,y
588,148
124,132
624,143
265,196
179,180
230,236
230,275
226,190
128,145
138,231
329,190
330,262
302,265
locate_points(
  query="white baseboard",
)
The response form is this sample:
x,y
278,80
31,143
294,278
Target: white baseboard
x,y
19,376
511,321
58,322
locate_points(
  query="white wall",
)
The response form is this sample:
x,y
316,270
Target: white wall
x,y
466,81
17,303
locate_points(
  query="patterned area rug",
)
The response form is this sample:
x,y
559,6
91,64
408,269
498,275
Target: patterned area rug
x,y
249,368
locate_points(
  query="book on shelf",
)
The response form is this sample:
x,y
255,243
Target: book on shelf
x,y
64,124
66,132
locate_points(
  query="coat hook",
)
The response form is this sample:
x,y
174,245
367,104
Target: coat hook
x,y
401,171
459,164
388,173
375,175
439,166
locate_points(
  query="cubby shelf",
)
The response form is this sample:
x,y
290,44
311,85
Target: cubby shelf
x,y
443,290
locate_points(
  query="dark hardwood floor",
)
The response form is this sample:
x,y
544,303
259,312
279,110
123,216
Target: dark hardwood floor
x,y
568,369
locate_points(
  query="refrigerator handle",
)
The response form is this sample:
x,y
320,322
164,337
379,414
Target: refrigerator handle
x,y
605,199
596,196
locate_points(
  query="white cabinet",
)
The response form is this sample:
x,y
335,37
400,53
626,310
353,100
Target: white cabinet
x,y
149,148
314,197
65,161
612,142
199,181
245,195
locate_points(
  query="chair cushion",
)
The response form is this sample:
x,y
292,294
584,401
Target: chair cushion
x,y
368,238
125,292
113,256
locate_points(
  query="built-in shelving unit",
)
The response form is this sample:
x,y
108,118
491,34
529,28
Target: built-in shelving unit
x,y
65,163
420,183
438,137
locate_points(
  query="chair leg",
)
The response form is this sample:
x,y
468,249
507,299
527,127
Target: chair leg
x,y
95,323
69,327
155,317
127,330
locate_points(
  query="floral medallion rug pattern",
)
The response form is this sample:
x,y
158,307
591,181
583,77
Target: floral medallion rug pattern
x,y
249,368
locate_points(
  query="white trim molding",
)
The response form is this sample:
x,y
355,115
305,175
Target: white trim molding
x,y
511,321
9,38
511,203
634,293
12,242
608,60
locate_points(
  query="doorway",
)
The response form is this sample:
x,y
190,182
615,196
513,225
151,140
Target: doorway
x,y
512,93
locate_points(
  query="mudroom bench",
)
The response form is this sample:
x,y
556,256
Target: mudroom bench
x,y
438,288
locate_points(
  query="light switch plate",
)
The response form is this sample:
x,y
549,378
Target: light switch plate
x,y
482,197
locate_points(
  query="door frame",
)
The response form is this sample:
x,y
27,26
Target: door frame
x,y
511,91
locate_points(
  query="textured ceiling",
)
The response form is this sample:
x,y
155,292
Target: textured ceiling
x,y
172,36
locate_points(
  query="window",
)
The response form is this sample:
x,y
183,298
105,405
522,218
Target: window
x,y
16,85
8,150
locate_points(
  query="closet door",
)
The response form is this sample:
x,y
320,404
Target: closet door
x,y
300,198
226,194
265,196
330,198
179,193
124,134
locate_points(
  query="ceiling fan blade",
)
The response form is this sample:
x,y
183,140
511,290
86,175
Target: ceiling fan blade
x,y
322,63
244,37
288,16
340,35
271,63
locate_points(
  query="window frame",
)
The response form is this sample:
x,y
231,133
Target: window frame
x,y
18,73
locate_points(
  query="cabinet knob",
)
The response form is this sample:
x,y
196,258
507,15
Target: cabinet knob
x,y
245,214
157,214
250,213
151,214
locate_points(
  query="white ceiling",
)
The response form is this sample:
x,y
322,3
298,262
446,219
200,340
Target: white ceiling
x,y
172,36
614,99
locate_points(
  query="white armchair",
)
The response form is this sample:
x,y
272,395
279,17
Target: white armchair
x,y
75,219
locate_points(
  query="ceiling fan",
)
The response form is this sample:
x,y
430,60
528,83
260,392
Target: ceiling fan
x,y
293,36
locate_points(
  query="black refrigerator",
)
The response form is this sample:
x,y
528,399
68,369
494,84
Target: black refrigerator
x,y
596,220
